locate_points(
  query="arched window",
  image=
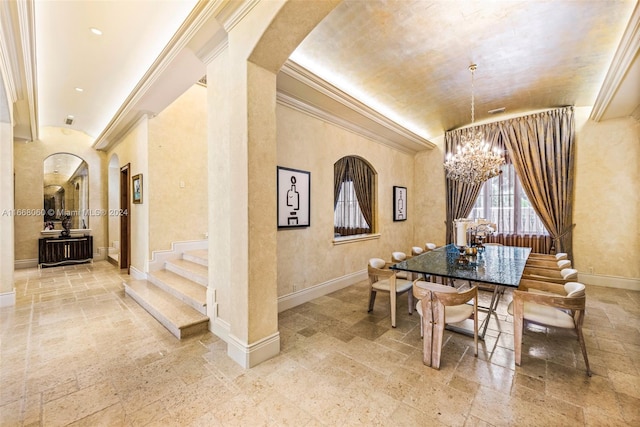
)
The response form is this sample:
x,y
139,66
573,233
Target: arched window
x,y
353,191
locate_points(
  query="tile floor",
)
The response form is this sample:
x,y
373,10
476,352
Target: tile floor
x,y
76,351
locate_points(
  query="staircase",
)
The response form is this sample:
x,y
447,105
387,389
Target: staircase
x,y
176,294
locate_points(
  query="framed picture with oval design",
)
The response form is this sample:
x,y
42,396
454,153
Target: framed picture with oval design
x,y
399,203
136,182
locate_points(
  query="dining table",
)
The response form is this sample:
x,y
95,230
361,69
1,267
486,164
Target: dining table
x,y
496,266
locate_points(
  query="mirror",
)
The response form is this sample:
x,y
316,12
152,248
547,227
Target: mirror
x,y
66,191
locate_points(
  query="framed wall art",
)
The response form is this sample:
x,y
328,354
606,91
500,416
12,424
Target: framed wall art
x,y
137,188
294,198
399,203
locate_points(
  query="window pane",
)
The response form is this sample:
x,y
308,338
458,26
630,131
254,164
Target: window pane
x,y
347,214
503,202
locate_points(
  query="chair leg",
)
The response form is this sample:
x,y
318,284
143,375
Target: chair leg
x,y
518,308
583,345
421,327
372,299
438,335
392,299
427,327
410,299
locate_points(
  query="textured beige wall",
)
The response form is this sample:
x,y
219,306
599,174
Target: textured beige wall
x,y
28,163
178,155
607,200
307,256
429,203
133,149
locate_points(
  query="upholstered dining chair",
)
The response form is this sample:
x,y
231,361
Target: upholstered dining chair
x,y
550,275
416,250
385,280
437,306
540,263
549,257
548,304
430,246
399,257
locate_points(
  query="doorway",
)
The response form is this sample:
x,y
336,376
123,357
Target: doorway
x,y
125,237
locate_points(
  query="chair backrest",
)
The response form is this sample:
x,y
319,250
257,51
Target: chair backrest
x,y
569,273
564,263
430,246
416,250
574,289
398,256
561,256
377,262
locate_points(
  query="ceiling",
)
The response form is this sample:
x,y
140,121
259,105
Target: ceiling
x,y
406,60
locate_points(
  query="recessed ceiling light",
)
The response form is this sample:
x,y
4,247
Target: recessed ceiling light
x,y
96,31
79,89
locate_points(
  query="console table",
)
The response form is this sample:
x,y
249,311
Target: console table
x,y
55,251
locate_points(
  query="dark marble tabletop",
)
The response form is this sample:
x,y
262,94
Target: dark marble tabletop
x,y
498,265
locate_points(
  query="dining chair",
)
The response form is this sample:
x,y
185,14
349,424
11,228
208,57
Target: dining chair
x,y
399,257
383,279
430,246
548,304
416,250
553,264
439,305
550,275
550,257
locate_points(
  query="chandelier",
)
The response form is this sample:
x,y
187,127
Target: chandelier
x,y
473,163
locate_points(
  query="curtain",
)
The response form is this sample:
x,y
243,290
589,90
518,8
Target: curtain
x,y
356,171
542,150
339,176
461,196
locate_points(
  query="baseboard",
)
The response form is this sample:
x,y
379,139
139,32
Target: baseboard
x,y
25,263
101,255
610,281
251,355
8,299
158,258
137,274
291,300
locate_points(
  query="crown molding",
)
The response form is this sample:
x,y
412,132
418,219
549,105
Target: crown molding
x,y
302,90
18,62
622,60
198,17
26,16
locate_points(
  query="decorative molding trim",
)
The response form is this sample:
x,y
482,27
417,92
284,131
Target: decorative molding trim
x,y
233,14
372,125
9,61
8,299
352,239
26,17
194,22
250,355
610,281
305,295
137,274
25,263
622,60
18,60
158,258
